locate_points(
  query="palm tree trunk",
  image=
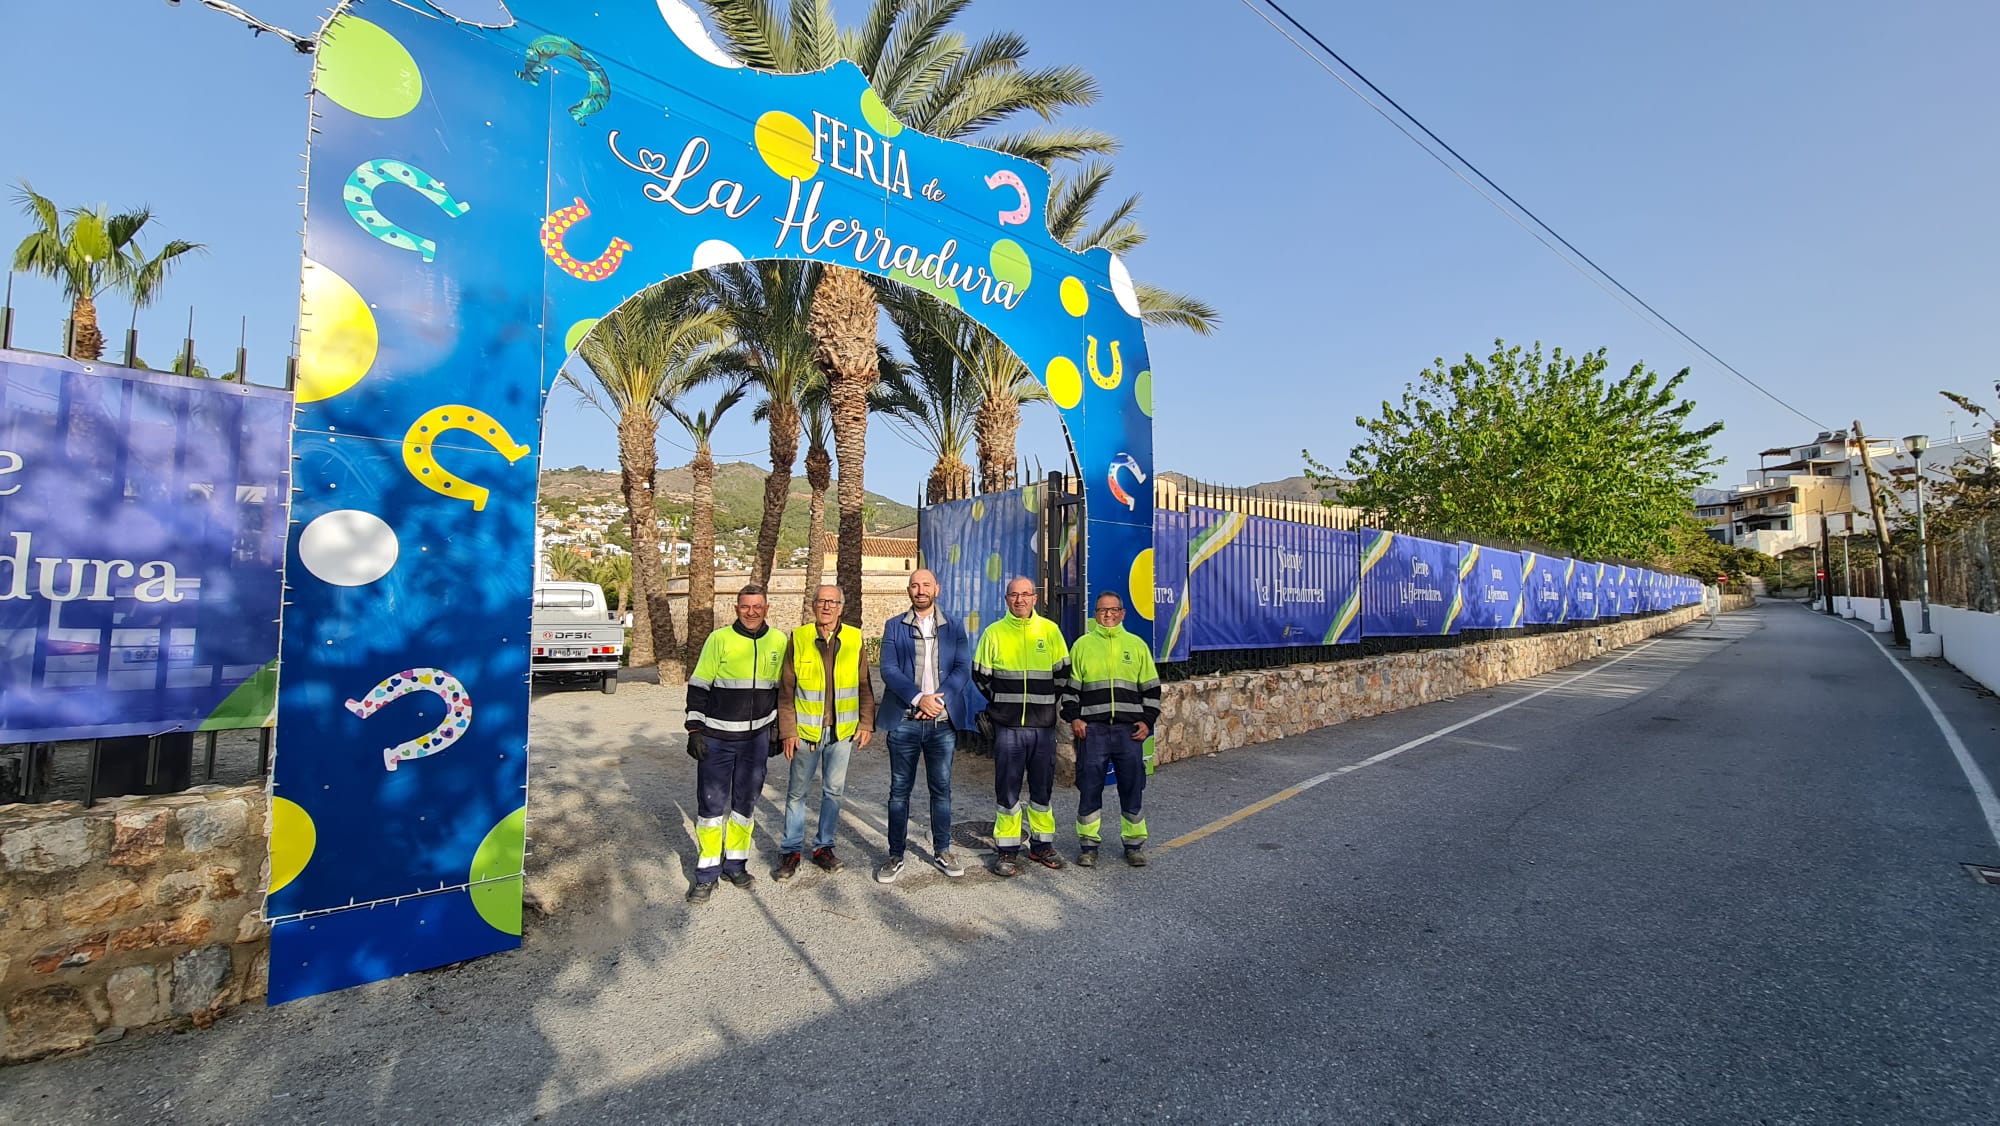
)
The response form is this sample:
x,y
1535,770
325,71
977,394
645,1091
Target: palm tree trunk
x,y
995,428
784,423
637,461
701,566
86,340
950,479
843,329
819,474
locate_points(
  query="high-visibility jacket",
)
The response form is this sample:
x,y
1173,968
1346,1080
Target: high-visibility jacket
x,y
1112,679
809,669
1022,668
733,693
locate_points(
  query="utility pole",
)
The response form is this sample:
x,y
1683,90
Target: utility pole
x,y
1825,562
1892,593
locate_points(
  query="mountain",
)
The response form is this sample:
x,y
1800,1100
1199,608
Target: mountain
x,y
1290,488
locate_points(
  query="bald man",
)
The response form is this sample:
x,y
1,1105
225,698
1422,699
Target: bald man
x,y
927,699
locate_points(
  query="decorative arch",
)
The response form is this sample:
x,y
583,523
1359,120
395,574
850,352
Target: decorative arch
x,y
486,180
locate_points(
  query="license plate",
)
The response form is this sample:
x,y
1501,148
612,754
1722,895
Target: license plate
x,y
569,653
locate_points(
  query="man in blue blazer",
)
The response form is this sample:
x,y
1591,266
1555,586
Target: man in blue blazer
x,y
927,698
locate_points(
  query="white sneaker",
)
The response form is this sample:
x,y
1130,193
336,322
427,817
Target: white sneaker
x,y
947,862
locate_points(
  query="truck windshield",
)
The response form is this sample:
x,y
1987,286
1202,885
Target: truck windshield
x,y
564,600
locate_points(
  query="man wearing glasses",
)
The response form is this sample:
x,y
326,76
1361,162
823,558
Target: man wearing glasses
x,y
732,701
1022,666
927,685
1111,706
823,674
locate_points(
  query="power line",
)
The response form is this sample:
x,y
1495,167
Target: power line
x,y
1504,194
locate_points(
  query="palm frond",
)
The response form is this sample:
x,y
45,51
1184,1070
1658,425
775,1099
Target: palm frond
x,y
1047,146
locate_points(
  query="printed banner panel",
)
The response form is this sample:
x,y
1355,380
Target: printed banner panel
x,y
1544,588
1409,585
1259,583
1583,584
1171,533
1489,584
142,533
975,546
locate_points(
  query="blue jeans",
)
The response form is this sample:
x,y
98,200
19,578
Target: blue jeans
x,y
830,761
934,741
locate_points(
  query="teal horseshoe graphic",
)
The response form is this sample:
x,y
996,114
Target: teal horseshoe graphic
x,y
360,197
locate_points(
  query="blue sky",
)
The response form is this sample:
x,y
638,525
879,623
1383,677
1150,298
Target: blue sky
x,y
1806,187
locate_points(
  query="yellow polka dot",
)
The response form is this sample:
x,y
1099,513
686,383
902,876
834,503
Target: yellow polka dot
x,y
363,69
1141,586
293,838
972,626
1075,298
786,145
337,336
1064,382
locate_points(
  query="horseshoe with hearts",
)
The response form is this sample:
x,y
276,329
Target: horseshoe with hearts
x,y
446,687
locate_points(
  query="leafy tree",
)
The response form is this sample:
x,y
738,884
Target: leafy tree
x,y
641,359
91,251
931,78
1526,447
769,304
1968,502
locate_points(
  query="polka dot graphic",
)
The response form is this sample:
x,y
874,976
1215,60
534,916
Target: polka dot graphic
x,y
1009,263
687,27
786,145
1075,298
1122,288
577,332
496,873
995,567
337,337
348,548
1064,381
1141,586
877,115
1142,390
293,839
715,252
363,69
978,510
1031,498
972,626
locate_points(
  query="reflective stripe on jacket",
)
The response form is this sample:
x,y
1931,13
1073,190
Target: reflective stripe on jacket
x,y
733,692
1112,679
1022,668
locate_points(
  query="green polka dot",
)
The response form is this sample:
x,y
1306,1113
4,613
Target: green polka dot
x,y
952,555
499,859
1010,264
943,293
877,115
364,70
994,567
972,625
1142,389
577,332
1031,498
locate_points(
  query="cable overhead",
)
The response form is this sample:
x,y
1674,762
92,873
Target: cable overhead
x,y
1406,115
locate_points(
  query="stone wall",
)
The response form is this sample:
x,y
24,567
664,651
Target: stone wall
x,y
1734,602
138,911
1218,713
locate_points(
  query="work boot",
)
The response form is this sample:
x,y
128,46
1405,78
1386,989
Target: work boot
x,y
1046,856
699,893
1135,858
1005,867
740,879
826,860
887,871
788,867
1087,858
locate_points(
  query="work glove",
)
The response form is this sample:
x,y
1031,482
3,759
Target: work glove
x,y
697,746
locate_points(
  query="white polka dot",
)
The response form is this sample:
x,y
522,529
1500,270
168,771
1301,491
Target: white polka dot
x,y
348,547
715,252
1121,286
687,26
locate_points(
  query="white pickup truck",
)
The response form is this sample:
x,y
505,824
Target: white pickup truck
x,y
574,636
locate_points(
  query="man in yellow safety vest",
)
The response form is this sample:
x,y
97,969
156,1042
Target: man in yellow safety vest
x,y
826,708
732,701
1022,668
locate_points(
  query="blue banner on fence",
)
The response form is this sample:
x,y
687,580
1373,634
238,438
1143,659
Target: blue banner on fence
x,y
1259,583
1409,585
1171,630
1489,583
1544,588
975,546
142,532
1582,591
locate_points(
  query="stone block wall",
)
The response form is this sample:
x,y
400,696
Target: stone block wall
x,y
137,911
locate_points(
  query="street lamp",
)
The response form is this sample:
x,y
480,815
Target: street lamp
x,y
1917,444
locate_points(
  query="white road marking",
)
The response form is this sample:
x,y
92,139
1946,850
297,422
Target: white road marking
x,y
1989,805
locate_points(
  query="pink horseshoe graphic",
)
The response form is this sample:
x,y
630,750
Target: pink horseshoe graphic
x,y
557,225
1006,179
1118,493
458,711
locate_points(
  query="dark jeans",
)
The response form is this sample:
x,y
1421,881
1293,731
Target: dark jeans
x,y
934,741
1111,742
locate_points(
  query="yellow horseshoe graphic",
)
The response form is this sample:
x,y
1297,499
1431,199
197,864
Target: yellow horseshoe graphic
x,y
1117,366
423,435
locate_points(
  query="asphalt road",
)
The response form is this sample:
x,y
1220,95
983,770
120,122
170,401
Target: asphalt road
x,y
1712,878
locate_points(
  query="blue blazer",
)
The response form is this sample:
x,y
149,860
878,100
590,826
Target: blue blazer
x,y
962,701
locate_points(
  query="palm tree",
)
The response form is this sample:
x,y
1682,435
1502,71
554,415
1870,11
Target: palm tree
x,y
770,309
642,357
934,396
930,78
700,426
818,419
92,252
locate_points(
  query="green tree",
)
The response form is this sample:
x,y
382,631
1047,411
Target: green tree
x,y
769,304
1523,447
700,426
640,360
933,79
90,251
